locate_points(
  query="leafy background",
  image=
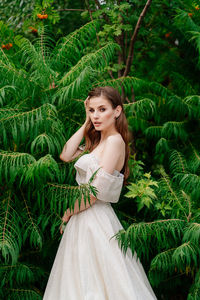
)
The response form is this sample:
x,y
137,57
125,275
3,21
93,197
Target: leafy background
x,y
47,67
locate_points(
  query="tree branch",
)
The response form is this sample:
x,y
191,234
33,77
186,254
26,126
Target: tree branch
x,y
71,9
133,39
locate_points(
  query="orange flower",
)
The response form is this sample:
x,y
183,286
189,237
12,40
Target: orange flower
x,y
168,34
197,8
7,46
33,29
45,16
189,14
42,16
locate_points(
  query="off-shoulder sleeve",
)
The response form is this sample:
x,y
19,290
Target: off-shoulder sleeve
x,y
108,186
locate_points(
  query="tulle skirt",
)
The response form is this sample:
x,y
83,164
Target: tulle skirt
x,y
89,264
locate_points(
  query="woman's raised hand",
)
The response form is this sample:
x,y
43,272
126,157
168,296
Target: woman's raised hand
x,y
86,104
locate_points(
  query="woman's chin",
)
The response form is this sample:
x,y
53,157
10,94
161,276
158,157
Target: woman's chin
x,y
98,127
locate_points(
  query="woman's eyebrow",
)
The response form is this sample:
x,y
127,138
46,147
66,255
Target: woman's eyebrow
x,y
98,106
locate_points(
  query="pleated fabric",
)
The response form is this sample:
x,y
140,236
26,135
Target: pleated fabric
x,y
89,264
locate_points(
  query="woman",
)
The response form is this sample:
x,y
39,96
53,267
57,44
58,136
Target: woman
x,y
89,264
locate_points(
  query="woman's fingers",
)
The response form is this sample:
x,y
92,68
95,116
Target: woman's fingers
x,y
61,230
86,102
65,219
86,108
62,227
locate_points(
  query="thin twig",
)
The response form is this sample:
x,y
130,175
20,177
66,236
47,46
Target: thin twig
x,y
133,39
71,9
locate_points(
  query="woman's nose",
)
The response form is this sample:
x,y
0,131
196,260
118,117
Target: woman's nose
x,y
96,114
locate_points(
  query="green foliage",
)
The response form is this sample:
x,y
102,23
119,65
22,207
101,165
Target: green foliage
x,y
161,233
44,80
36,188
142,191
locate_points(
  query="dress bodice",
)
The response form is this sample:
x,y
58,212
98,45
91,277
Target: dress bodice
x,y
108,186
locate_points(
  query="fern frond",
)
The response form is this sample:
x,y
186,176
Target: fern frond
x,y
196,37
139,236
11,73
37,58
178,163
61,196
48,218
182,85
31,230
137,124
46,168
194,293
193,103
194,158
154,132
80,75
189,182
4,91
18,273
33,233
178,107
126,82
162,146
184,23
161,267
46,143
173,129
140,86
192,233
10,238
22,294
74,43
186,255
11,163
93,60
75,88
19,125
143,108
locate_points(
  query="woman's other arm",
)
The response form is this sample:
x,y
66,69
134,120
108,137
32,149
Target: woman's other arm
x,y
70,150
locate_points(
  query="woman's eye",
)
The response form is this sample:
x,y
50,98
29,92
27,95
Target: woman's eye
x,y
90,110
102,109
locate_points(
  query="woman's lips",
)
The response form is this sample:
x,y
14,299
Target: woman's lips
x,y
97,123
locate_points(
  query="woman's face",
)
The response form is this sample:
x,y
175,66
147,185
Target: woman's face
x,y
102,114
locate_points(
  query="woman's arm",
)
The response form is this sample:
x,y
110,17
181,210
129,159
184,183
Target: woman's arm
x,y
83,206
70,150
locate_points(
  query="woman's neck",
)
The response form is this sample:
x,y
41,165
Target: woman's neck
x,y
106,134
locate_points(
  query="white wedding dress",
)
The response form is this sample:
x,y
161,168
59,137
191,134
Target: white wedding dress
x,y
89,264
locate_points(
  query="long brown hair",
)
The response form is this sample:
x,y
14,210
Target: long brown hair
x,y
92,136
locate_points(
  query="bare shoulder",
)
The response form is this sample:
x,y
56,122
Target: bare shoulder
x,y
113,154
115,141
